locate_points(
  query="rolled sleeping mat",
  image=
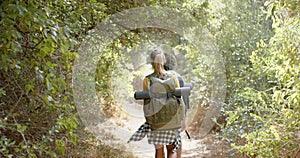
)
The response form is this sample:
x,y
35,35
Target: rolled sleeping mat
x,y
183,91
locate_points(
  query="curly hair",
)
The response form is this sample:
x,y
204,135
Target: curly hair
x,y
171,62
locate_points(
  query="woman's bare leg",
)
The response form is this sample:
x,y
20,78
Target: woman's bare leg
x,y
170,153
159,151
179,150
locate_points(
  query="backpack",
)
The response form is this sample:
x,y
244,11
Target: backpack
x,y
164,110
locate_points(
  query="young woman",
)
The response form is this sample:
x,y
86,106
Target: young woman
x,y
171,137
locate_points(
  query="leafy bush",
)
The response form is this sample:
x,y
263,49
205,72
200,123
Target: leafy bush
x,y
265,122
275,104
38,43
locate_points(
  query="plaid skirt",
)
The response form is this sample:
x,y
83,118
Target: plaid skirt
x,y
159,137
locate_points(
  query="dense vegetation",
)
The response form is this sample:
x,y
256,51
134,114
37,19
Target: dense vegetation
x,y
263,100
258,40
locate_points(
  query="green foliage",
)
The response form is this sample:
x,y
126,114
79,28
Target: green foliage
x,y
263,110
278,133
39,41
38,45
243,24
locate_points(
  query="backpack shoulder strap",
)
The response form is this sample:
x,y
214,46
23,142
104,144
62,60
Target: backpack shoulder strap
x,y
181,83
147,84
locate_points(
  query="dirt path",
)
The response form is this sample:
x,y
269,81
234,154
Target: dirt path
x,y
117,130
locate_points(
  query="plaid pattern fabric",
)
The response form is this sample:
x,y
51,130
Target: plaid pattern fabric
x,y
162,137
